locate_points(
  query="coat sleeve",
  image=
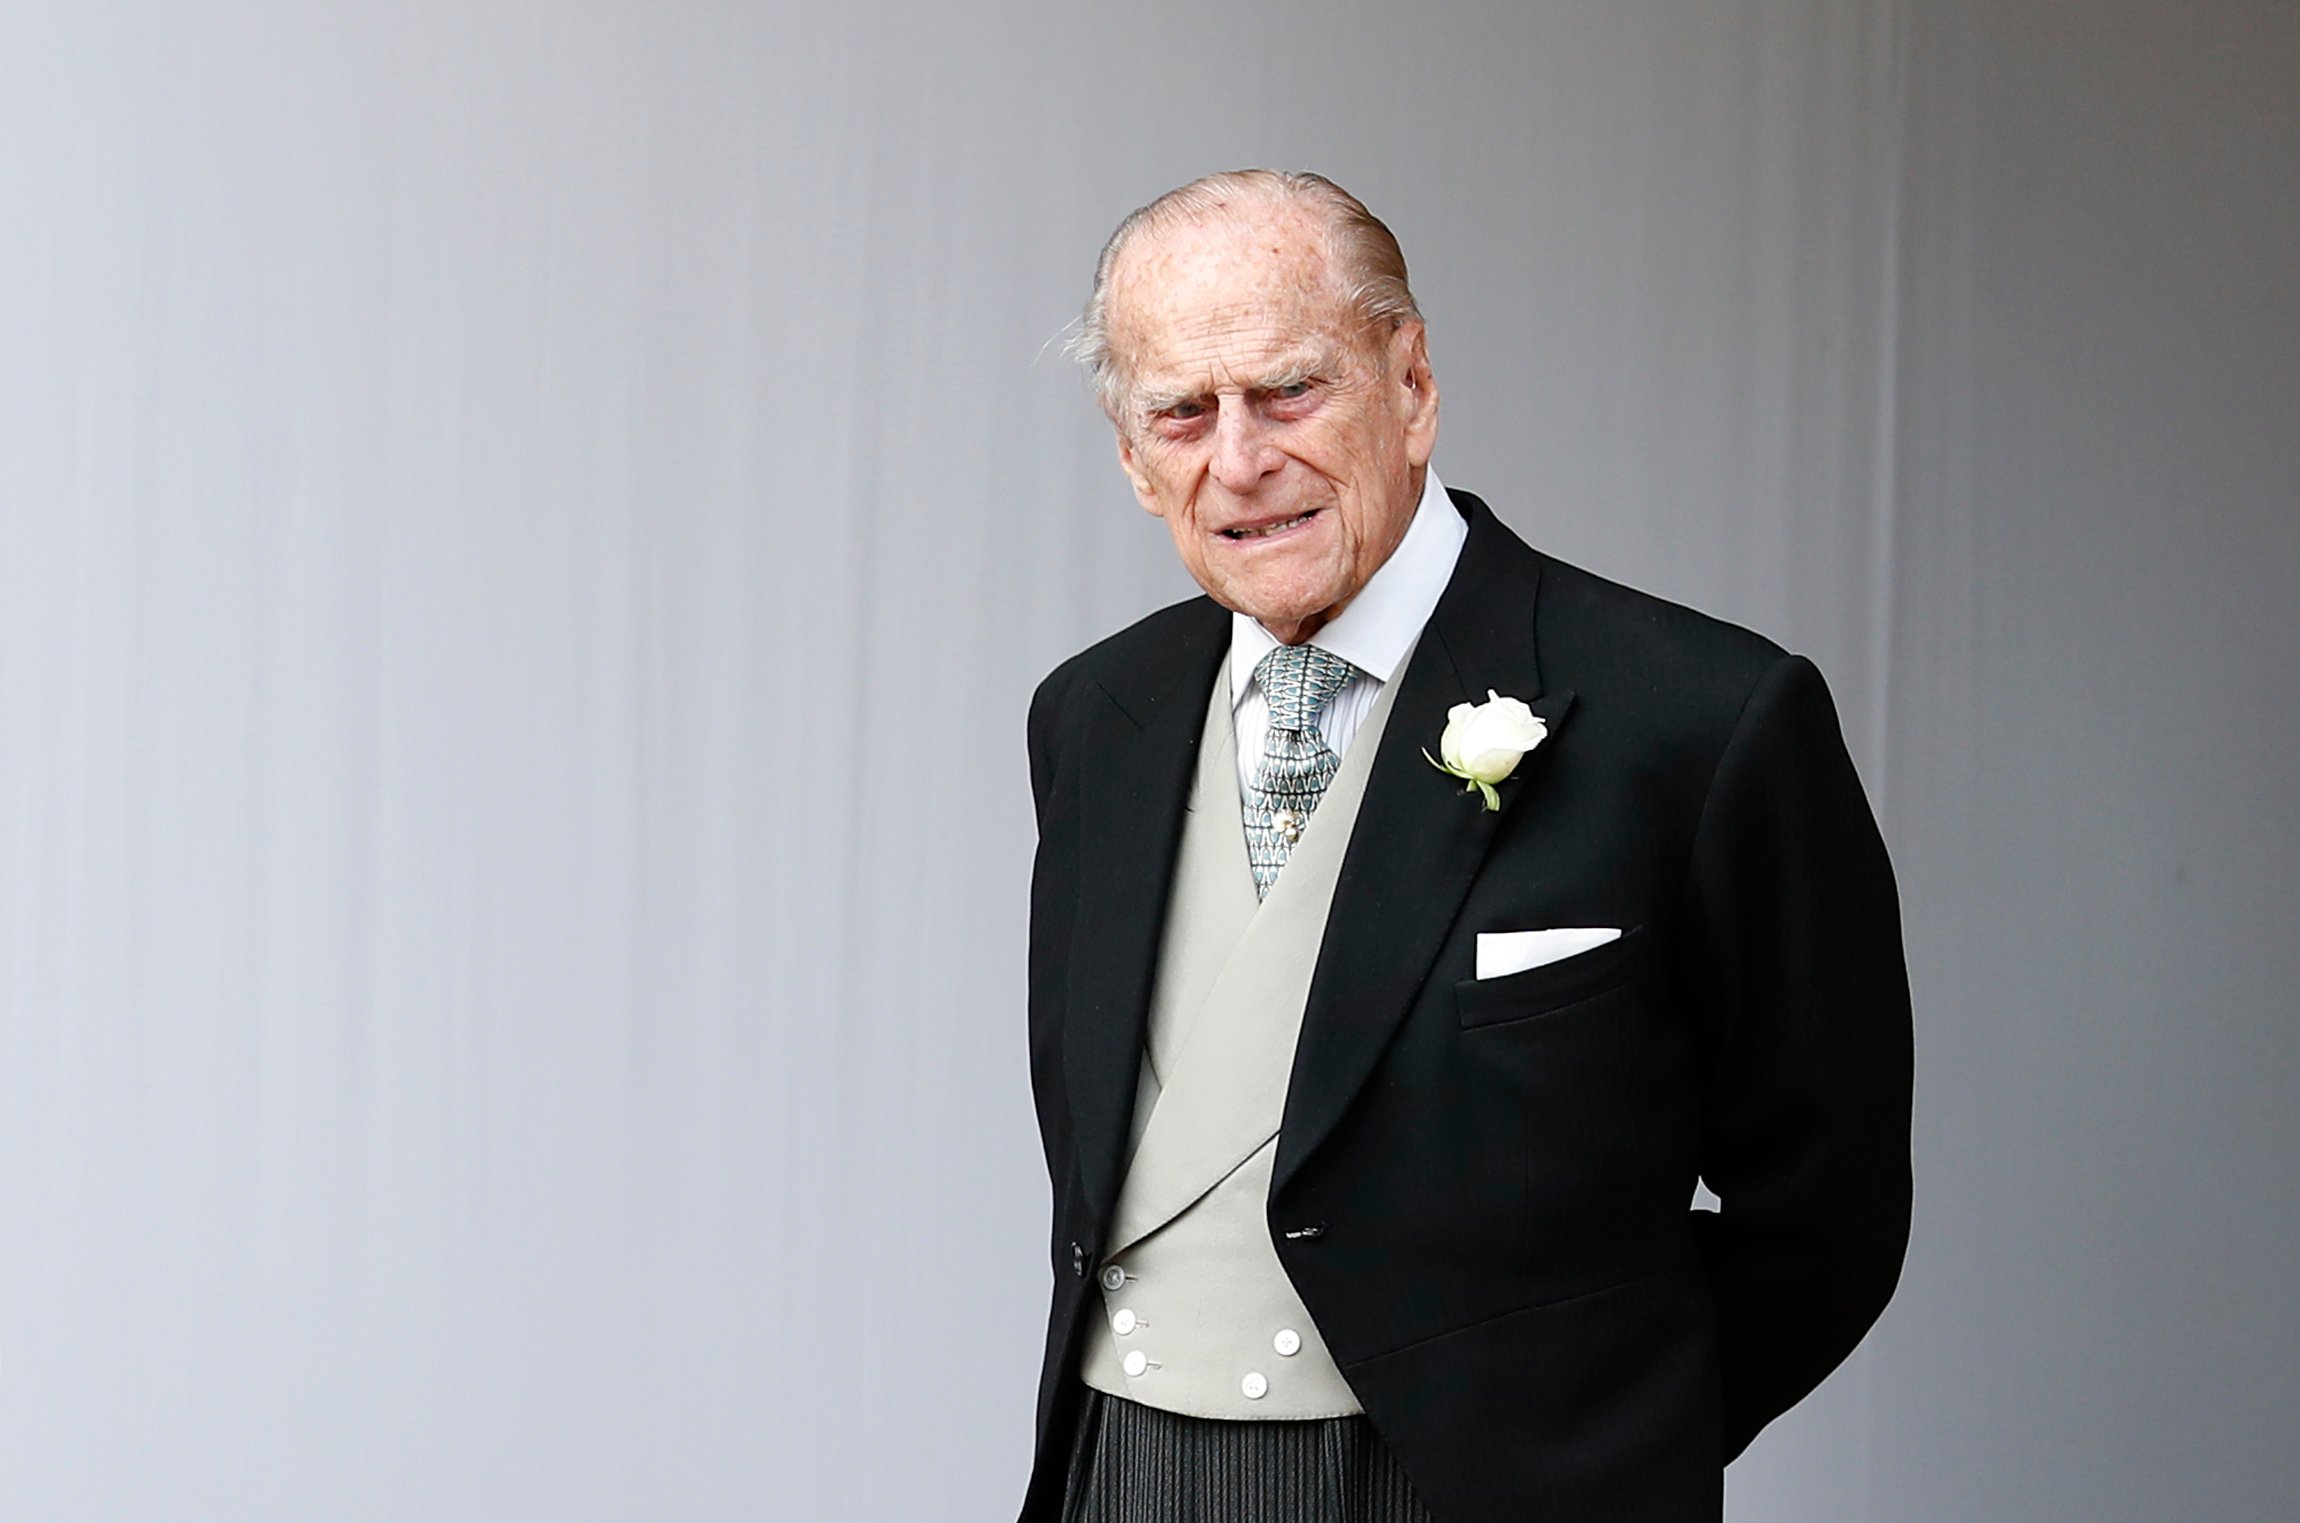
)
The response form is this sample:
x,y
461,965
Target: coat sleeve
x,y
1802,989
1052,898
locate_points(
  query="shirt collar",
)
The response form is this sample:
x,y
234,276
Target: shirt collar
x,y
1382,622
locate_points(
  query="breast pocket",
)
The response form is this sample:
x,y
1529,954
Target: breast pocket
x,y
1554,986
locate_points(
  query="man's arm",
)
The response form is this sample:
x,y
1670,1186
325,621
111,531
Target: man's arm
x,y
1802,996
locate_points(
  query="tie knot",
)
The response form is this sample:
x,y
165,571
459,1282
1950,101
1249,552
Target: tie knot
x,y
1299,681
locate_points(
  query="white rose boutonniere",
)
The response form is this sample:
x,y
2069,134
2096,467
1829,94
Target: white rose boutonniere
x,y
1484,742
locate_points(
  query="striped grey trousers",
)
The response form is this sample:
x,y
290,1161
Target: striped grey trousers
x,y
1136,1464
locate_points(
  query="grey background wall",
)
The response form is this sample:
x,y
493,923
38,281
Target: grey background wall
x,y
526,533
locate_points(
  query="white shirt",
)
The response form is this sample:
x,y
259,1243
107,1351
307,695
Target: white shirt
x,y
1373,634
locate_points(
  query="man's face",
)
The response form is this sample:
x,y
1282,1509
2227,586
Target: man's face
x,y
1280,440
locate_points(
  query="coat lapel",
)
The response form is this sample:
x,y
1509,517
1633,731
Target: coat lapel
x,y
1139,750
1420,837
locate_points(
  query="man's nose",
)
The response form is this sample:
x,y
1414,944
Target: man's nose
x,y
1243,450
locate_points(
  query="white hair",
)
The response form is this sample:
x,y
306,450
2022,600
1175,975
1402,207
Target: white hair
x,y
1360,249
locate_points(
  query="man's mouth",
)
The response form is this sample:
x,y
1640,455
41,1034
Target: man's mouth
x,y
1264,531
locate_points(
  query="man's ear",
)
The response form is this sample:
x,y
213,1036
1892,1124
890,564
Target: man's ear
x,y
1418,390
1133,469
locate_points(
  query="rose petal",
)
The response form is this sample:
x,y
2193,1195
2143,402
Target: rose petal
x,y
1494,764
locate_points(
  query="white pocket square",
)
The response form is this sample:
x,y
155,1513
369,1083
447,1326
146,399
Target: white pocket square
x,y
1501,953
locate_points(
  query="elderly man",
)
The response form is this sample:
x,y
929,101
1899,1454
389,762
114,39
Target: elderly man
x,y
1416,920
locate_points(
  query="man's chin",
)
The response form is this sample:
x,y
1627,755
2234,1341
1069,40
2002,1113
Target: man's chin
x,y
1278,602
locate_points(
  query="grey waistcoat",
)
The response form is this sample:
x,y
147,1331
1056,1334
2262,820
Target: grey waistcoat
x,y
1204,1320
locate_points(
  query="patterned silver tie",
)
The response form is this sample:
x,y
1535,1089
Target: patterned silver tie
x,y
1297,764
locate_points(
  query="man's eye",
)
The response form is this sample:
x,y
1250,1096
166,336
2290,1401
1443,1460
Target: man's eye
x,y
1291,391
1183,412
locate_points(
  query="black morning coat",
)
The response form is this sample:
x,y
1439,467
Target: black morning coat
x,y
1482,1187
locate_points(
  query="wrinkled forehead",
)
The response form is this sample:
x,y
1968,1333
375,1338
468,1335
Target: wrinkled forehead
x,y
1239,288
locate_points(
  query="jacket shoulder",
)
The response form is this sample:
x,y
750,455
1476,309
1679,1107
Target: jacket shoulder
x,y
1142,656
1136,668
1597,634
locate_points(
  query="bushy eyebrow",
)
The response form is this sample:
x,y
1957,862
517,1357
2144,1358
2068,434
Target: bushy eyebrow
x,y
1306,366
1294,372
1150,401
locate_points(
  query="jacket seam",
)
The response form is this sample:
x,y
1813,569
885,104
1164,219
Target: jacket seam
x,y
1519,1311
1717,767
1635,975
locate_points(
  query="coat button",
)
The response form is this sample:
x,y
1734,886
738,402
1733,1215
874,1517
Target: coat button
x,y
1288,1342
1255,1387
1113,1278
1078,1260
1123,1322
1135,1364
